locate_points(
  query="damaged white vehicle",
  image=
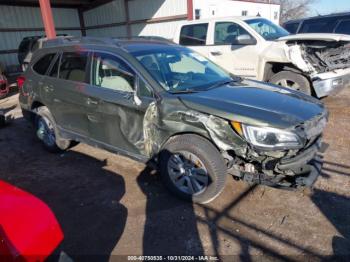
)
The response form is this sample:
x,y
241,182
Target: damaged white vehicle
x,y
256,48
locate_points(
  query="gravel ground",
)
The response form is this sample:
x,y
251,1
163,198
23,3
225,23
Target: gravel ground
x,y
109,205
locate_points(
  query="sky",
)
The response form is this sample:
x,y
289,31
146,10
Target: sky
x,y
330,6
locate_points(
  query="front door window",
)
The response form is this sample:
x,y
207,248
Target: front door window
x,y
112,73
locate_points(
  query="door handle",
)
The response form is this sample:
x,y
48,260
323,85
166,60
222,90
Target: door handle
x,y
216,53
92,118
48,88
90,101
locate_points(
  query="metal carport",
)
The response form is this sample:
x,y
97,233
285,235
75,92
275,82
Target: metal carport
x,y
20,18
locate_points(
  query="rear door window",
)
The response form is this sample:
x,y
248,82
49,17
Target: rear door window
x,y
343,27
43,64
194,35
73,66
319,25
292,27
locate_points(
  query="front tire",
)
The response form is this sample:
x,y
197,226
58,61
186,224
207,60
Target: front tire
x,y
192,168
46,131
292,81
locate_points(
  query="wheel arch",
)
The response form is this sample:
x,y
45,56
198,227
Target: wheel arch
x,y
34,106
272,68
202,135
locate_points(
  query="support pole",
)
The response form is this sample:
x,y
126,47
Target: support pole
x,y
46,14
189,9
82,22
127,17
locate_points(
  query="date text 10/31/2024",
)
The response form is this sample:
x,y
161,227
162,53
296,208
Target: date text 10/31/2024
x,y
173,258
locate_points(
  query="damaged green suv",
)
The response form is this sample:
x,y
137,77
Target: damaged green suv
x,y
164,104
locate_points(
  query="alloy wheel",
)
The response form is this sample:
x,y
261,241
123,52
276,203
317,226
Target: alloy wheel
x,y
46,132
289,84
188,173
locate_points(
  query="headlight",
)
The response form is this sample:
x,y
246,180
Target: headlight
x,y
270,138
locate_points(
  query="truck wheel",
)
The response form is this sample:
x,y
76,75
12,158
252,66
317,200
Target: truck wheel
x,y
192,168
293,81
46,131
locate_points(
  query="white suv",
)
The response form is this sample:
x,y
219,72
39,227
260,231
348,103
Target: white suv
x,y
256,48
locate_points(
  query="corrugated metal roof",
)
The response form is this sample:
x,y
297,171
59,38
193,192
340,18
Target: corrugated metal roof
x,y
112,12
156,8
24,20
30,17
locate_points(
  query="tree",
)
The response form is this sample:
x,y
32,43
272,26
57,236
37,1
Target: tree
x,y
294,9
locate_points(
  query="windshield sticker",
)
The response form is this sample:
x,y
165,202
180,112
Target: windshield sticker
x,y
198,57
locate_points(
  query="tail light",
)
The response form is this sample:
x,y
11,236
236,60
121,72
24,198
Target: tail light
x,y
3,80
4,89
20,81
20,84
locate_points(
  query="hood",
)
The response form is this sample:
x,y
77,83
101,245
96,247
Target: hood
x,y
255,103
316,36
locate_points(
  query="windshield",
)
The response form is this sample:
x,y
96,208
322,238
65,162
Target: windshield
x,y
267,29
179,69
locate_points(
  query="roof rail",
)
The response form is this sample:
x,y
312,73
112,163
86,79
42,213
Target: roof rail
x,y
62,40
146,37
84,40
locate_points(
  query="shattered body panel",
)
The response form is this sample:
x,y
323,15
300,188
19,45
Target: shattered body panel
x,y
171,117
325,59
194,113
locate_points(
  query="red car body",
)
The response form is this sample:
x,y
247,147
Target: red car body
x,y
29,230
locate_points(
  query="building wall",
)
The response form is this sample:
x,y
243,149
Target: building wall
x,y
223,8
144,17
18,22
106,20
119,18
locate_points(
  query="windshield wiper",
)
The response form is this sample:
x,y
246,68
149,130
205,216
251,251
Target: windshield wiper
x,y
222,83
186,91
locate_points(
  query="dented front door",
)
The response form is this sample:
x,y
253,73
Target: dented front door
x,y
115,118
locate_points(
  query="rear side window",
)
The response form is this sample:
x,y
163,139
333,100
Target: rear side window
x,y
193,35
54,69
43,64
343,27
319,25
24,46
292,27
73,66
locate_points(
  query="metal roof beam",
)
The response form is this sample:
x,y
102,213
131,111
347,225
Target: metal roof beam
x,y
56,3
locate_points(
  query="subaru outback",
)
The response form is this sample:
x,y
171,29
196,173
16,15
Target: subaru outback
x,y
165,105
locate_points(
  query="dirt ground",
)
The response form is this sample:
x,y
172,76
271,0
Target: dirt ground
x,y
109,205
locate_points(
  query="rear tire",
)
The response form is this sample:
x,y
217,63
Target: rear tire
x,y
192,168
292,81
46,131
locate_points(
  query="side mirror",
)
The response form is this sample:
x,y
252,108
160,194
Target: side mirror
x,y
245,40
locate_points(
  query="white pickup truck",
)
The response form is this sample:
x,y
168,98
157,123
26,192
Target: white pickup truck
x,y
254,47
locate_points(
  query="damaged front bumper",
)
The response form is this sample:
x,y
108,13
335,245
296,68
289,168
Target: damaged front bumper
x,y
301,170
330,86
